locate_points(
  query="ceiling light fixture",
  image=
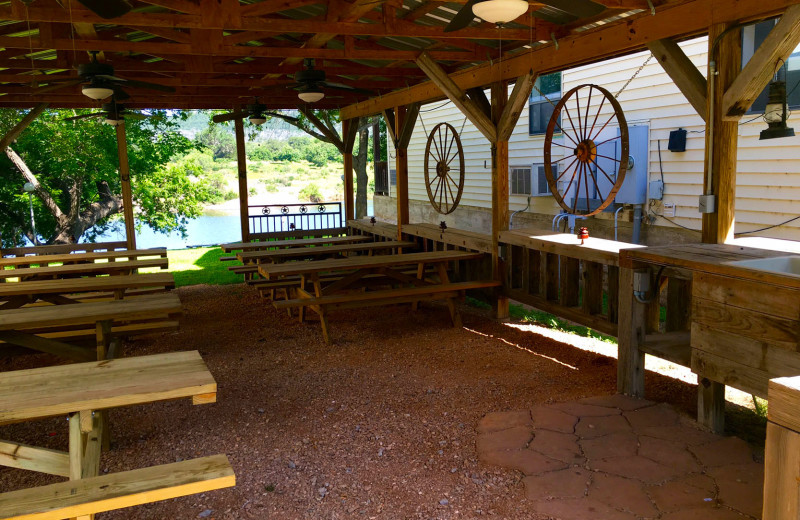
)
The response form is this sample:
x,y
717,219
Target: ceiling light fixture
x,y
258,119
311,96
500,11
96,90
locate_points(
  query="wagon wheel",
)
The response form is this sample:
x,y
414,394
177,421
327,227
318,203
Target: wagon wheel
x,y
444,159
581,125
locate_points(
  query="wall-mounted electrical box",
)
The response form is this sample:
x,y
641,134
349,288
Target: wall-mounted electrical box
x,y
657,189
706,204
677,140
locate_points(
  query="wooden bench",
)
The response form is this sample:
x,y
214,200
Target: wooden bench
x,y
291,253
80,390
76,498
73,270
70,258
274,244
63,248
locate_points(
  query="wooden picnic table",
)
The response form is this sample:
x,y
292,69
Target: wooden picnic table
x,y
82,392
291,253
72,290
358,274
271,244
31,327
91,269
75,258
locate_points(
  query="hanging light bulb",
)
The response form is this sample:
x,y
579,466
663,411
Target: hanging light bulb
x,y
775,113
258,119
96,90
500,11
311,95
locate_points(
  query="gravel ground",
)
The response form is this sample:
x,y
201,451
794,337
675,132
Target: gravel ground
x,y
381,424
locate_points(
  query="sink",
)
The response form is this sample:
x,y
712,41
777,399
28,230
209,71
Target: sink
x,y
788,265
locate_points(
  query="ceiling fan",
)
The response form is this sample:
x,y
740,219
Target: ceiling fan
x,y
103,8
99,81
503,11
254,112
310,83
113,113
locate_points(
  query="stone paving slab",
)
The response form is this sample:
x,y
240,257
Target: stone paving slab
x,y
610,457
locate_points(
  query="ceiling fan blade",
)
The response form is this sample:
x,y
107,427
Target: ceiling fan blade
x,y
221,118
134,115
143,84
339,86
107,8
56,86
85,116
579,8
463,17
119,94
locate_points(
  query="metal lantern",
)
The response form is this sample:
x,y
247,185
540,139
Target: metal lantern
x,y
775,113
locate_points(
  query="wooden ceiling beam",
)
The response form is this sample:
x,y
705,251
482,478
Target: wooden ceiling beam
x,y
349,26
273,6
184,6
772,53
465,104
687,19
161,32
689,80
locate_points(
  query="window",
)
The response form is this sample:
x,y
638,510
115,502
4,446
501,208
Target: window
x,y
540,107
752,37
541,187
520,181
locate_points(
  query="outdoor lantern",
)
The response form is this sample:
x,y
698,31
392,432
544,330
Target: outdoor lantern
x,y
311,96
500,11
258,119
96,90
775,113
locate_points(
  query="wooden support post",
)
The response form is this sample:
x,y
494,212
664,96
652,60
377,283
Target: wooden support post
x,y
500,216
241,160
721,136
630,360
349,132
781,473
127,194
404,120
711,404
12,134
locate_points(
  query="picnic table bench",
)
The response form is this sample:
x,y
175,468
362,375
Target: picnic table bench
x,y
292,253
350,289
273,244
41,328
74,290
78,391
89,269
75,258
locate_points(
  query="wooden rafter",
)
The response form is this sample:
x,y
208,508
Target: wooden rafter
x,y
689,80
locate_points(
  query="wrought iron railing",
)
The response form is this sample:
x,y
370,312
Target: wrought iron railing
x,y
277,218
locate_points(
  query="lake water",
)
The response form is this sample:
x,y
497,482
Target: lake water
x,y
202,231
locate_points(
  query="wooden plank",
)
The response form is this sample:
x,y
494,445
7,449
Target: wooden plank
x,y
241,165
569,281
401,174
679,304
85,285
747,323
298,242
784,402
62,248
727,372
127,194
711,404
759,71
689,80
31,458
672,346
452,236
143,307
364,262
781,472
59,390
550,275
331,250
762,355
517,101
50,346
592,288
596,322
593,250
722,137
745,294
84,269
467,106
118,490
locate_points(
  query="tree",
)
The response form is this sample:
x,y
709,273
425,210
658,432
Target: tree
x,y
221,143
74,169
323,125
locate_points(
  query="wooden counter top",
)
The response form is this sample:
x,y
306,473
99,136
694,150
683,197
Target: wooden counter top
x,y
715,259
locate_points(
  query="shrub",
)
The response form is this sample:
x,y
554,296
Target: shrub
x,y
311,193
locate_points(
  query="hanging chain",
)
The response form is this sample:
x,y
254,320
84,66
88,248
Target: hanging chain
x,y
634,75
423,124
462,126
541,93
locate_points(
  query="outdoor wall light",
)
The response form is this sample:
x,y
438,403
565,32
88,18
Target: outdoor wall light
x,y
775,114
258,119
500,11
96,90
311,96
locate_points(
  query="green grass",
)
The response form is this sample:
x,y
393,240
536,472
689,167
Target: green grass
x,y
546,320
201,265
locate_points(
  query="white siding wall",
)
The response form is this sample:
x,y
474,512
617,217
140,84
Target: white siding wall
x,y
768,183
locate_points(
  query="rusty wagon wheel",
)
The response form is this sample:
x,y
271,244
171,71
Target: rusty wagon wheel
x,y
444,168
579,169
